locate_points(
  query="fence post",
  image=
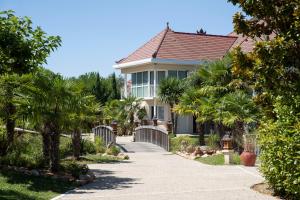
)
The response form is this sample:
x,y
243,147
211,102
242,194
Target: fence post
x,y
169,127
154,121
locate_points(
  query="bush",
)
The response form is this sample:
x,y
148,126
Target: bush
x,y
87,147
25,151
280,158
73,168
176,142
113,150
99,144
213,141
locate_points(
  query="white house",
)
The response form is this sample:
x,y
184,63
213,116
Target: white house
x,y
169,54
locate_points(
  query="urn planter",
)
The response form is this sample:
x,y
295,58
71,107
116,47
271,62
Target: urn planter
x,y
248,158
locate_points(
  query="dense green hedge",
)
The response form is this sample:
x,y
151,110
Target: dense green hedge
x,y
280,158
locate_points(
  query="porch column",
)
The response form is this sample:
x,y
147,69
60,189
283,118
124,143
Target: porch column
x,y
125,85
154,95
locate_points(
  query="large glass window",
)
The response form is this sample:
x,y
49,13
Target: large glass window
x,y
140,84
177,74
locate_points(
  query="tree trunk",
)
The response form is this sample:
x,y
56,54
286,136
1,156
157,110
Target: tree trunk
x,y
10,123
46,145
76,143
172,119
237,134
54,149
200,130
175,122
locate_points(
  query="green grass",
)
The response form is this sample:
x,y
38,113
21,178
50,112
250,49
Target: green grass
x,y
97,158
218,159
15,186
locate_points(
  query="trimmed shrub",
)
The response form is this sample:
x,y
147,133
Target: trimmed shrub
x,y
280,158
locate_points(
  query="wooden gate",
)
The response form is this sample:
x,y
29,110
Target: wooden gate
x,y
154,135
106,133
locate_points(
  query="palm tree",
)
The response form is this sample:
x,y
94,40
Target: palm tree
x,y
82,111
48,106
218,97
169,91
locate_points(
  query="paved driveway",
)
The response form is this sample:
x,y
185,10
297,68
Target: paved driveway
x,y
153,174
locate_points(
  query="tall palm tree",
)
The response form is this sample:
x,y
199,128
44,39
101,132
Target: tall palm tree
x,y
169,91
48,102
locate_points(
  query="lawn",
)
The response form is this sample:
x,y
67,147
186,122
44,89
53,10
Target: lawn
x,y
15,186
218,159
97,158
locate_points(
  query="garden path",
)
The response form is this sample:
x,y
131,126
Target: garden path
x,y
154,174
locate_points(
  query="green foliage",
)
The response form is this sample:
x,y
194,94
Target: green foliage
x,y
25,151
169,91
272,69
87,147
113,150
99,144
74,168
280,157
177,142
98,158
23,48
213,141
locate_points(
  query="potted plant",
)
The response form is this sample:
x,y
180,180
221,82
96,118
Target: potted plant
x,y
248,157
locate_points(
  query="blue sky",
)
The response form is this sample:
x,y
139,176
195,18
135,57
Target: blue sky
x,y
96,33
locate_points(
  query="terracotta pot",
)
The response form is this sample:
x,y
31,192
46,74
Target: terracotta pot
x,y
248,158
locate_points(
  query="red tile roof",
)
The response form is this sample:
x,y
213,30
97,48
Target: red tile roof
x,y
246,43
169,44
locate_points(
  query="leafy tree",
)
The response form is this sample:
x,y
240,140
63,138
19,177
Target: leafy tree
x,y
169,92
22,49
272,69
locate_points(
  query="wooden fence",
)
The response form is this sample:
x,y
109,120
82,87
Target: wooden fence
x,y
106,133
154,135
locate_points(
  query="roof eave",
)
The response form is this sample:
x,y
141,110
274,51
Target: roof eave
x,y
157,61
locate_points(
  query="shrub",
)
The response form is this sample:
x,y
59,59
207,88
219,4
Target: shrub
x,y
213,141
113,150
176,142
73,168
25,151
99,144
87,147
280,158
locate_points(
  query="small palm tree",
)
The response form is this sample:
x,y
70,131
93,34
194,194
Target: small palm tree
x,y
169,91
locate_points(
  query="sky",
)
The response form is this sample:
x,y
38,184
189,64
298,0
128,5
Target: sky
x,y
96,33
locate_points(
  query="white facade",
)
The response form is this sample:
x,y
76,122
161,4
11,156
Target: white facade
x,y
142,78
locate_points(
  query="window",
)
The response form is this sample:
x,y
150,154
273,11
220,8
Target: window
x,y
177,74
160,76
160,112
182,74
172,73
140,84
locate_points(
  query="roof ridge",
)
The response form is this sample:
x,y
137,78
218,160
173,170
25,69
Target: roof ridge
x,y
212,35
160,43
